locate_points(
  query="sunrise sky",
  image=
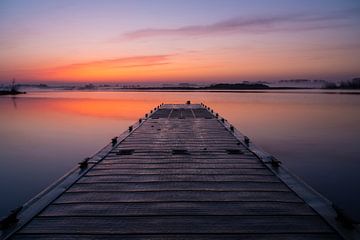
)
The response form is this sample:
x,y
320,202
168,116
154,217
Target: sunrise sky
x,y
184,40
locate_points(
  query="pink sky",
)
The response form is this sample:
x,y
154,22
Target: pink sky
x,y
123,41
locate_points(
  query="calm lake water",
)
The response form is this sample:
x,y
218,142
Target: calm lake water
x,y
45,134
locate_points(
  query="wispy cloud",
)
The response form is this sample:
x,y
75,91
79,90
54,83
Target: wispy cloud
x,y
126,62
100,66
263,24
89,69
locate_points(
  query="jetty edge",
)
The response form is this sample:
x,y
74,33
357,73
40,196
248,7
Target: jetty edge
x,y
180,172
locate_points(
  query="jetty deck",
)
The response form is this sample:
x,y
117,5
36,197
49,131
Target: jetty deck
x,y
182,172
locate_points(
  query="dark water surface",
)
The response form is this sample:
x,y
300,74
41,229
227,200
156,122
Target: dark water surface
x,y
45,134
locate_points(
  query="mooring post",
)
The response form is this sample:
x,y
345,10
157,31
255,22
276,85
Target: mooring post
x,y
232,128
84,164
114,141
247,140
275,162
11,218
344,218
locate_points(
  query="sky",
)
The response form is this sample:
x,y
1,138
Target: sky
x,y
178,40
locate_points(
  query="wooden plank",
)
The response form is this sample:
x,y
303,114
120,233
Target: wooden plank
x,y
202,113
177,224
169,196
175,160
161,113
178,186
180,165
178,209
181,113
192,152
208,158
166,148
180,177
267,236
210,171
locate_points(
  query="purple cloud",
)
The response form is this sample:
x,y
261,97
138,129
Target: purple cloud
x,y
290,22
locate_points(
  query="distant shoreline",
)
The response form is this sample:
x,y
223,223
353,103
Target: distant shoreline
x,y
214,88
5,92
188,87
154,90
269,90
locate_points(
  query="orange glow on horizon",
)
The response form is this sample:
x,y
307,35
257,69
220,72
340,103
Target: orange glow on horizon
x,y
218,64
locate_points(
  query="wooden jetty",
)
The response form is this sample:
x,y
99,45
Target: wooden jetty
x,y
181,172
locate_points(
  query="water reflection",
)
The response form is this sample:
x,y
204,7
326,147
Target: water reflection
x,y
104,108
14,102
45,134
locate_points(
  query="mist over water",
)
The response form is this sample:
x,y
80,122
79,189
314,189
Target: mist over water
x,y
45,134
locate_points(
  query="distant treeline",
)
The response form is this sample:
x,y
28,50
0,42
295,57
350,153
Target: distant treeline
x,y
353,84
236,86
12,89
219,86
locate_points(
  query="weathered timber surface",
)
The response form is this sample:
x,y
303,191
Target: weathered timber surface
x,y
253,236
180,175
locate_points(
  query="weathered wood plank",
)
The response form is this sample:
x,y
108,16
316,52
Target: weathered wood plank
x,y
152,158
176,196
161,113
180,165
210,171
192,150
179,186
178,209
177,224
178,160
180,177
267,236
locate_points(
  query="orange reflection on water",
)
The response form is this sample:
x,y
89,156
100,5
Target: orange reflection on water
x,y
104,108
